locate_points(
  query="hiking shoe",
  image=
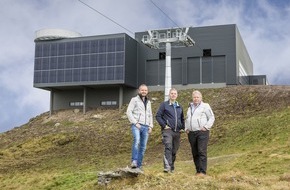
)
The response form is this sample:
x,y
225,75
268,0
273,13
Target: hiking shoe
x,y
134,164
139,170
200,174
166,170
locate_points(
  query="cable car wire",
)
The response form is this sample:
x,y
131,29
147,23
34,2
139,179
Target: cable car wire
x,y
106,17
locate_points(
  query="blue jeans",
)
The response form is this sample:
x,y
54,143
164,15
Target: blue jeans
x,y
139,143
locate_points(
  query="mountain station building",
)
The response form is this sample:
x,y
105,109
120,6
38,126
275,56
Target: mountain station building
x,y
87,72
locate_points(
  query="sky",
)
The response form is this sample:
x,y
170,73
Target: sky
x,y
263,24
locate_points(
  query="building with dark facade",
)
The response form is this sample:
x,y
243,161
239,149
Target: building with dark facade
x,y
105,70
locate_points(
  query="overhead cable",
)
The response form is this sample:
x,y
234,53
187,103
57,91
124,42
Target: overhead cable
x,y
106,17
164,14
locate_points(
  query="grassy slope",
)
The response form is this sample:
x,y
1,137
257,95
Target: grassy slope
x,y
249,146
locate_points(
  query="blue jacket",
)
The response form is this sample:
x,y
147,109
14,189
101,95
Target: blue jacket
x,y
170,115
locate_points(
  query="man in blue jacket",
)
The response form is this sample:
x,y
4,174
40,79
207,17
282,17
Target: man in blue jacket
x,y
170,118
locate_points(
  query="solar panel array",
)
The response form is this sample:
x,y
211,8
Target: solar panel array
x,y
79,61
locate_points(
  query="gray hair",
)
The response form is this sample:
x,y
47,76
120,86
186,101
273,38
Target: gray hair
x,y
197,92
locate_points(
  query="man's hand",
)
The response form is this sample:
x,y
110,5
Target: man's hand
x,y
166,127
150,130
138,126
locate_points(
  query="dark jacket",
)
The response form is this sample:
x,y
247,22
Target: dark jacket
x,y
170,115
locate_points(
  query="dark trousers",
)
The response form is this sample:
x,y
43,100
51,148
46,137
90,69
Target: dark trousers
x,y
171,142
198,141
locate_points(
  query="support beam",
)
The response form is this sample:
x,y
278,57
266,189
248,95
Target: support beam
x,y
157,39
121,96
85,101
51,102
167,71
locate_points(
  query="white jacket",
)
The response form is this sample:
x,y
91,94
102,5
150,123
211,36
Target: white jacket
x,y
201,116
137,113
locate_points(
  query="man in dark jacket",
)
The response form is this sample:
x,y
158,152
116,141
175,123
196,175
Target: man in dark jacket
x,y
170,118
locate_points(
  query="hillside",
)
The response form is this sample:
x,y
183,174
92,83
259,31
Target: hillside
x,y
249,146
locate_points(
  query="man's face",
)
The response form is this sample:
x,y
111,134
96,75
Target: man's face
x,y
196,98
173,95
143,91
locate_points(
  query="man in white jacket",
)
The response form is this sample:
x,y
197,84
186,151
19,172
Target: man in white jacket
x,y
199,120
139,113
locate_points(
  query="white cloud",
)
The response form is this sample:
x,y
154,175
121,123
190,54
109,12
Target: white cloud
x,y
262,24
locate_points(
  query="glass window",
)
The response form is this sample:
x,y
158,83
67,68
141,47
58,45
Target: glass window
x,y
75,104
109,103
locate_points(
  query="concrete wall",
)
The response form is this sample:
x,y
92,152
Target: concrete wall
x,y
94,96
62,98
243,58
131,66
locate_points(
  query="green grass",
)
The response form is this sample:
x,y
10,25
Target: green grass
x,y
249,147
256,133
